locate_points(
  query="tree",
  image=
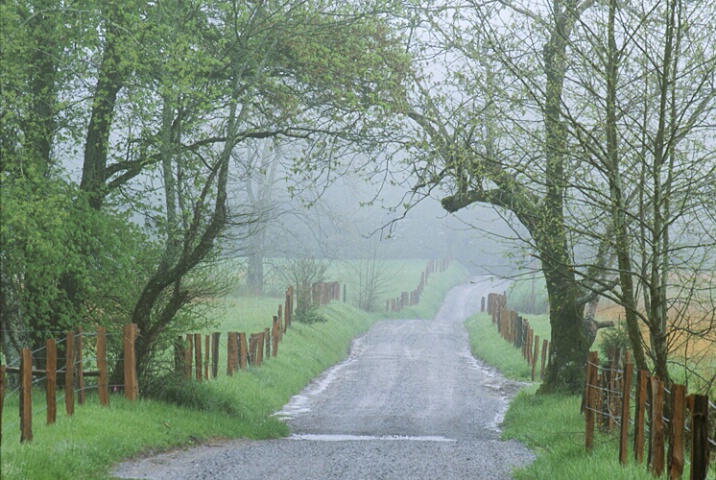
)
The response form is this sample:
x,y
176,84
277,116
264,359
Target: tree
x,y
657,163
512,119
162,94
479,129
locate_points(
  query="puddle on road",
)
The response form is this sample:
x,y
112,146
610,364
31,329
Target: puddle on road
x,y
502,386
350,438
299,403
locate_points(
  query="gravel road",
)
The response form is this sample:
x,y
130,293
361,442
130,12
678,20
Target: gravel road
x,y
409,403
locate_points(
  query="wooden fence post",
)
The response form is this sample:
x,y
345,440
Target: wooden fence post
x,y
700,438
626,391
639,416
2,396
131,386
259,349
657,427
215,337
197,356
103,379
274,333
79,344
267,338
243,351
677,427
280,322
26,396
252,349
231,352
69,373
51,387
592,373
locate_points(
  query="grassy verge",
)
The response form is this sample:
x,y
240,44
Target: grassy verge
x,y
86,445
551,425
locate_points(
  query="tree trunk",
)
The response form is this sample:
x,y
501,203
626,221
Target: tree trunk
x,y
109,83
566,369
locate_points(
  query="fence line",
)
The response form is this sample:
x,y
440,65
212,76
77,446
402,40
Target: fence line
x,y
406,299
74,371
652,427
74,374
517,331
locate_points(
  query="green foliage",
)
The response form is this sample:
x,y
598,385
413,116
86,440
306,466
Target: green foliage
x,y
309,315
174,389
613,339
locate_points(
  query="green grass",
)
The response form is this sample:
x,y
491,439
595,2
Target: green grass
x,y
487,344
86,445
551,425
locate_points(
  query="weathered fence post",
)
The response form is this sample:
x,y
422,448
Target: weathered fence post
x,y
274,333
259,349
232,354
677,427
69,373
26,396
206,357
700,437
656,427
131,386
592,373
243,351
51,387
279,332
215,337
267,337
103,379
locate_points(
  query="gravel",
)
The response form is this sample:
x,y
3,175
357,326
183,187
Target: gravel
x,y
410,402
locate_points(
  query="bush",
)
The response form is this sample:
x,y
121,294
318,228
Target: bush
x,y
310,315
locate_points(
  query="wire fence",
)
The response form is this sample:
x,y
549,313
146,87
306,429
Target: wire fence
x,y
659,418
662,417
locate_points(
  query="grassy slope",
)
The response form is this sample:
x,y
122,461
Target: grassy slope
x,y
550,425
86,445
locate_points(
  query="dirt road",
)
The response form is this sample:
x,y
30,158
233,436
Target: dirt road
x,y
409,403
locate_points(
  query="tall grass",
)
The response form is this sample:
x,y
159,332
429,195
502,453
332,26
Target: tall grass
x,y
86,445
